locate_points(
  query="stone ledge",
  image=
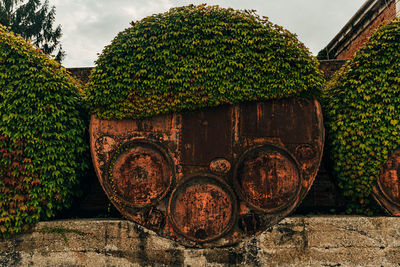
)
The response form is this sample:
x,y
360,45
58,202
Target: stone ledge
x,y
304,241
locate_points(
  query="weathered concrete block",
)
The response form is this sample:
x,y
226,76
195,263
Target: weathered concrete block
x,y
296,241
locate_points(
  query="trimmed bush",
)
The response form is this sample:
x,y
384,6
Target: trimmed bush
x,y
363,116
195,57
42,135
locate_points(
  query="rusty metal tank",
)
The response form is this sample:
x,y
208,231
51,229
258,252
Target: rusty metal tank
x,y
386,191
211,177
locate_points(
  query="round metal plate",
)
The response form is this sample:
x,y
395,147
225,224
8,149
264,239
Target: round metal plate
x,y
202,208
267,178
140,174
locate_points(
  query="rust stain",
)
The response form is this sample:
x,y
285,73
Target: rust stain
x,y
161,172
220,166
207,135
202,209
235,126
154,219
319,122
268,179
141,174
387,191
105,144
306,154
284,118
389,180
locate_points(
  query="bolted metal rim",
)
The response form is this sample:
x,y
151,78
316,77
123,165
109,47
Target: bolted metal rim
x,y
185,182
239,190
117,200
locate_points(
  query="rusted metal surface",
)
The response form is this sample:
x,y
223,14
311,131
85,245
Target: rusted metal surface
x,y
267,178
387,189
140,173
265,119
202,208
206,135
212,177
220,166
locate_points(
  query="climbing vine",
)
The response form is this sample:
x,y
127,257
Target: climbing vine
x,y
361,106
199,56
42,135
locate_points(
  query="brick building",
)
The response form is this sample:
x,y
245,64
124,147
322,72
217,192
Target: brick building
x,y
360,27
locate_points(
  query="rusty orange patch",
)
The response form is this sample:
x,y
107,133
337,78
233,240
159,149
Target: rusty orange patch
x,y
268,178
141,174
202,208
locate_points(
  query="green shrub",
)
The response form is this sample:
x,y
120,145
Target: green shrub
x,y
362,112
42,135
199,56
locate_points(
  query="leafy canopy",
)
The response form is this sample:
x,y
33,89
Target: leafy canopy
x,y
363,116
42,135
33,21
199,56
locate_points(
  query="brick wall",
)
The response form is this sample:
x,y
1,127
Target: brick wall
x,y
361,38
329,67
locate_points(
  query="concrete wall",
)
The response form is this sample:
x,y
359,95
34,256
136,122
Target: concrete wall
x,y
296,241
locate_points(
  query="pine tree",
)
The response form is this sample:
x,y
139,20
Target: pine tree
x,y
33,21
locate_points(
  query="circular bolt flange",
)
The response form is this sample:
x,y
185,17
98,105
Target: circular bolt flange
x,y
267,178
141,174
202,208
220,166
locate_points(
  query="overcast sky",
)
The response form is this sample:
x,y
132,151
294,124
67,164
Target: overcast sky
x,y
89,25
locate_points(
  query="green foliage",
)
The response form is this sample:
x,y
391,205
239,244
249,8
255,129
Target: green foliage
x,y
34,22
363,116
199,56
42,135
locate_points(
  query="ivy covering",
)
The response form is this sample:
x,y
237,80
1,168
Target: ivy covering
x,y
42,135
199,56
363,116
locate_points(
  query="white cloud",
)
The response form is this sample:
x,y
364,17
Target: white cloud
x,y
89,25
315,22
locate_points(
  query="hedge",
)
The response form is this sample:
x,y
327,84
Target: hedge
x,y
42,135
195,57
361,106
